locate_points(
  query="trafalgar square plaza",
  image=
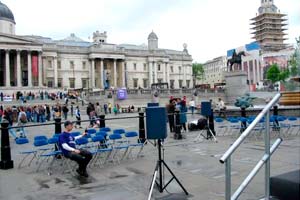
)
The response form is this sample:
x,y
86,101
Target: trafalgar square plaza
x,y
162,102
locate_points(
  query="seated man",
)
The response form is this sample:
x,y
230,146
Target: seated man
x,y
68,148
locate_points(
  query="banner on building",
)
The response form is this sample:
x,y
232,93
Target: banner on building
x,y
35,65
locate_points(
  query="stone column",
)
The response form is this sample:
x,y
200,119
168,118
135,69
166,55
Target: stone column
x,y
19,81
29,69
115,73
123,74
7,68
248,71
150,74
40,70
155,71
164,72
257,71
253,72
168,74
184,75
55,72
92,73
261,72
101,74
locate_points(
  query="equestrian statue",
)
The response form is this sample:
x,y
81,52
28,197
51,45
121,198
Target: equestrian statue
x,y
236,59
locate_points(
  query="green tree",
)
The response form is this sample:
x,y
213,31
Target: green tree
x,y
198,71
273,73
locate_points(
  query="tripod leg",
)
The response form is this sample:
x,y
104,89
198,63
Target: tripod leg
x,y
152,185
154,175
163,162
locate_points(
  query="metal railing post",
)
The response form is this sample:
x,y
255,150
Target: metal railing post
x,y
267,152
228,178
6,161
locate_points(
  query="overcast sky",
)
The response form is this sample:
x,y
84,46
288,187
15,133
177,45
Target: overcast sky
x,y
209,27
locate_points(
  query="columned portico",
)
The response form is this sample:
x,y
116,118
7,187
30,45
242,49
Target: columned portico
x,y
19,83
101,73
29,68
115,73
55,72
40,69
123,73
7,69
92,73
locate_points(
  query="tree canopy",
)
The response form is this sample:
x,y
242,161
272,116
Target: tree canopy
x,y
198,71
274,74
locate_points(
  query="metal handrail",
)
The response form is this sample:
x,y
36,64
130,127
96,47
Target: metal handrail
x,y
226,158
243,136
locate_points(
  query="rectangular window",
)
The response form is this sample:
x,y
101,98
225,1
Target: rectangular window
x,y
72,82
59,82
83,65
179,69
172,84
84,83
180,83
135,82
72,65
188,83
172,69
49,63
158,67
134,66
58,64
50,82
145,67
159,80
145,83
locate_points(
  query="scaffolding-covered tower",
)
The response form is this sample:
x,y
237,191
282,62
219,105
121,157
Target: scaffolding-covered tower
x,y
269,26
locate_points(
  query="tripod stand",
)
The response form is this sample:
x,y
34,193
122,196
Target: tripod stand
x,y
210,130
158,169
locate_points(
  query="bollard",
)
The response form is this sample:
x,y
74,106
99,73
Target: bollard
x,y
57,130
177,135
57,125
102,121
142,137
275,113
243,123
211,125
6,162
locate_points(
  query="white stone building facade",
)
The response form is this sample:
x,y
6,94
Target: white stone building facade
x,y
214,71
41,62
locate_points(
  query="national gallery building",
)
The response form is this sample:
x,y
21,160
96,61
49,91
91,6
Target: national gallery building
x,y
28,62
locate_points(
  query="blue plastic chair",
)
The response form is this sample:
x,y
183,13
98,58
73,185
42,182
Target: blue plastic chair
x,y
91,131
118,131
133,145
74,134
118,145
106,129
40,137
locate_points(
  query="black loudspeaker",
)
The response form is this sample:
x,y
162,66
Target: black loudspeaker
x,y
152,105
205,108
156,122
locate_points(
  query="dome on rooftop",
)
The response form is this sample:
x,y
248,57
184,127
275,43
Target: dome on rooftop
x,y
6,13
152,36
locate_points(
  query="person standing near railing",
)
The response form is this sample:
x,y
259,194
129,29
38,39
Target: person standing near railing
x,y
192,105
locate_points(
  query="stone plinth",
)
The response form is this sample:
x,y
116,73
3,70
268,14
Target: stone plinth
x,y
236,85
